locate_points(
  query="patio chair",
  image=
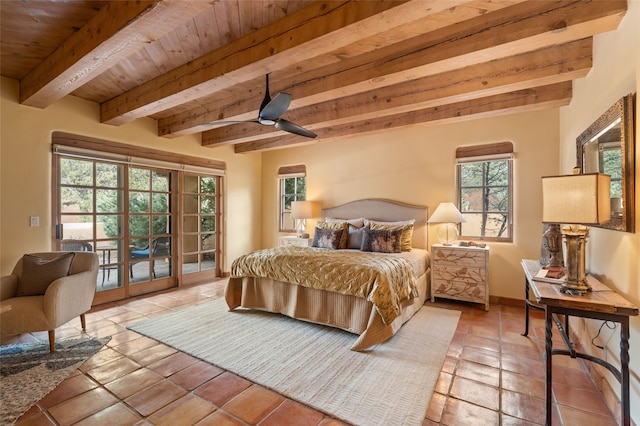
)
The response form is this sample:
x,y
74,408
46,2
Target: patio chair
x,y
160,246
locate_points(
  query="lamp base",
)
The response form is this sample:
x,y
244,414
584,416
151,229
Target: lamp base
x,y
576,241
447,234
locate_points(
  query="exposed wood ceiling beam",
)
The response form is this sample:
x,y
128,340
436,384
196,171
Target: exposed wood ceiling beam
x,y
542,67
118,30
315,30
519,28
551,96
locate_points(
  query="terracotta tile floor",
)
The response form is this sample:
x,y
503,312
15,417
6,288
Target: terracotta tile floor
x,y
492,376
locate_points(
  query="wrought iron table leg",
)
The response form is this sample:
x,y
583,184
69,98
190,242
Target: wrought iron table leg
x,y
548,346
624,370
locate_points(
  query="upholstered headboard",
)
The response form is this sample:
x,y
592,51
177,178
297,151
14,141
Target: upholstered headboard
x,y
386,211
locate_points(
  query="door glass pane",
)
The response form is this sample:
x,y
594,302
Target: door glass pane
x,y
189,244
138,225
139,179
208,185
190,224
76,200
208,204
77,227
190,204
208,261
208,224
108,175
161,225
109,226
190,183
107,201
76,172
160,203
208,242
161,181
139,202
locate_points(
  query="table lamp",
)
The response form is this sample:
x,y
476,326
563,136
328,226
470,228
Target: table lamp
x,y
448,216
576,200
300,211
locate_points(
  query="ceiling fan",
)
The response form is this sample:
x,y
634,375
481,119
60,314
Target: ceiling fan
x,y
270,112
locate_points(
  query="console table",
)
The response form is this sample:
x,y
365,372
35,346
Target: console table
x,y
601,303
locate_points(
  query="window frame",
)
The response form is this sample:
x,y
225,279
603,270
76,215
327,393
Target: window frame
x,y
285,173
502,151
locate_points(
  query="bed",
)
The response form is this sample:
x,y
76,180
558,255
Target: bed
x,y
362,314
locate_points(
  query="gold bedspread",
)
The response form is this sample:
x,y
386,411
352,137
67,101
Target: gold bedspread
x,y
383,279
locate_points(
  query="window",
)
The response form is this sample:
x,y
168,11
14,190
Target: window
x,y
484,176
293,187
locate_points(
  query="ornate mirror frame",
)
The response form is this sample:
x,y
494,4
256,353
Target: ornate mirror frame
x,y
623,110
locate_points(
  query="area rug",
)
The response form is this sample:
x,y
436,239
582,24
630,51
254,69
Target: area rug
x,y
28,372
390,384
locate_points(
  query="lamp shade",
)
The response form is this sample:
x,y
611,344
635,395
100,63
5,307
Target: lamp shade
x,y
301,210
576,199
446,213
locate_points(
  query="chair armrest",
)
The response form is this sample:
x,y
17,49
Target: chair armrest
x,y
8,287
70,296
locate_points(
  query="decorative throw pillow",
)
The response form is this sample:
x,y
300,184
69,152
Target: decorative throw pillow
x,y
38,273
344,226
327,238
382,240
406,226
355,229
354,239
356,223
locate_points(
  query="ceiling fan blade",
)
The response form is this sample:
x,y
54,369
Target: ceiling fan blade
x,y
276,107
290,127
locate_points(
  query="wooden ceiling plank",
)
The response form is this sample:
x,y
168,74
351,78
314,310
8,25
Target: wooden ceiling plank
x,y
543,67
317,28
117,31
551,96
518,29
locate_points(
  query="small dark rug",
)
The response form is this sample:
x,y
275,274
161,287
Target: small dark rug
x,y
28,372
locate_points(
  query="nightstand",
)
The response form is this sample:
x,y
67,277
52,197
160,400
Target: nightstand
x,y
291,240
460,273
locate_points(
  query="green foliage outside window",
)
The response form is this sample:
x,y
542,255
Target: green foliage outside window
x,y
484,188
291,189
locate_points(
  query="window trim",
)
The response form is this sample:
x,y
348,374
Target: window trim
x,y
487,153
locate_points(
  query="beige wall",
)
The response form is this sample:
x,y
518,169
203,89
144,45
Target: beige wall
x,y
611,255
418,166
25,171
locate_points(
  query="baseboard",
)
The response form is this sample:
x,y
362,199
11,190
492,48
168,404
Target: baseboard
x,y
506,301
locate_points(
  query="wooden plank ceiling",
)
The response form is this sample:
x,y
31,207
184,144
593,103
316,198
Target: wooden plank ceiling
x,y
351,67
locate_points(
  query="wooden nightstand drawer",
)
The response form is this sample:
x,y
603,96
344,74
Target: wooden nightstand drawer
x,y
460,273
469,274
456,258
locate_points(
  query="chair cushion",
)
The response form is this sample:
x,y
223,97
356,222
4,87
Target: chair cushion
x,y
38,273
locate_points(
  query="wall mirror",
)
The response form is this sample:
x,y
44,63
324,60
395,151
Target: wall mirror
x,y
608,146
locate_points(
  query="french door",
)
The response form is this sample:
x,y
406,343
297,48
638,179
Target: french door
x,y
200,239
123,212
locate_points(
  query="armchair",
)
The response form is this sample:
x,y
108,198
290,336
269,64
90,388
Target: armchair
x,y
64,299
